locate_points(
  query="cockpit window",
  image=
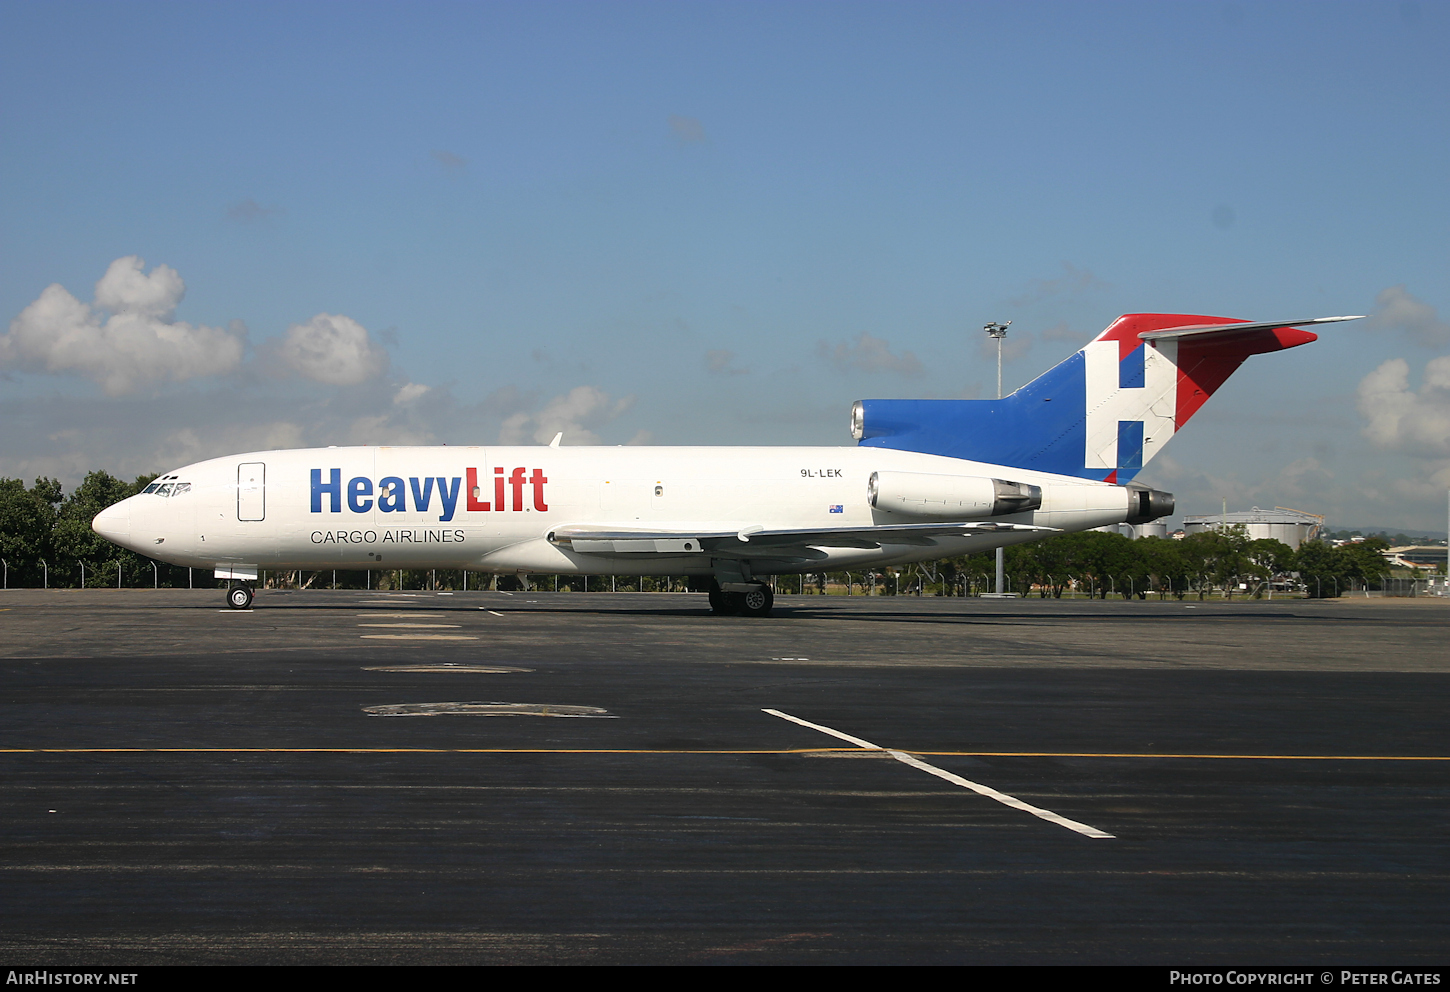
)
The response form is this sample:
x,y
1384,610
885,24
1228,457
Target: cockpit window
x,y
150,489
181,487
165,490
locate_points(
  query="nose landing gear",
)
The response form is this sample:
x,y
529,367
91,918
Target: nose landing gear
x,y
239,596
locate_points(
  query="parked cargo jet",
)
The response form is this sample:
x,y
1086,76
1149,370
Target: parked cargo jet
x,y
927,479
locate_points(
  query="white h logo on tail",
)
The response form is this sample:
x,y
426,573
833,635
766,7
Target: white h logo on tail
x,y
1110,403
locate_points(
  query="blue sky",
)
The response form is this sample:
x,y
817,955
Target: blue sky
x,y
721,223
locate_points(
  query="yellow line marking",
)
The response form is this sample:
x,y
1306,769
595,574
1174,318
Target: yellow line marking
x,y
394,750
801,750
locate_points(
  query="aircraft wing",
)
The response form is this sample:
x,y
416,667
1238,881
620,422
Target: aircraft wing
x,y
757,541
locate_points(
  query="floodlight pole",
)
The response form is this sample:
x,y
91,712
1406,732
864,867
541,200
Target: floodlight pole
x,y
998,332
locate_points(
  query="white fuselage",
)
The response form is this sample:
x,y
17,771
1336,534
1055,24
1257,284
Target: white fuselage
x,y
439,507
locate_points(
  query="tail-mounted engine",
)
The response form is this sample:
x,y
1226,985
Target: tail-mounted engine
x,y
950,497
1146,504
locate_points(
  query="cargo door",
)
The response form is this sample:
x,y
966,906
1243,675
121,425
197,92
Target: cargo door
x,y
252,491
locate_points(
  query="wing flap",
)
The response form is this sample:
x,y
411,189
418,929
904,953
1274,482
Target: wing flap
x,y
757,542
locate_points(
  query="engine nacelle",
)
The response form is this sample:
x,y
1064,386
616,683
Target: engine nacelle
x,y
949,497
1146,504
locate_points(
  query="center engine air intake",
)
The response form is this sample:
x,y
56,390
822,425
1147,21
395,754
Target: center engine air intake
x,y
949,497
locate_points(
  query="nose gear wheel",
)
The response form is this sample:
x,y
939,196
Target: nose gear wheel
x,y
239,596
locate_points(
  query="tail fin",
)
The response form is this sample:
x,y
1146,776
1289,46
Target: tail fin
x,y
1102,414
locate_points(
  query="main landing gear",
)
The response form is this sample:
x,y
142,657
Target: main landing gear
x,y
239,596
754,603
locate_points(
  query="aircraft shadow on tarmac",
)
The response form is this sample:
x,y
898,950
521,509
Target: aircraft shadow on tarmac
x,y
1043,612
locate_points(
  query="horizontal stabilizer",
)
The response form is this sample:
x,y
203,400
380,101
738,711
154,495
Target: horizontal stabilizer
x,y
1238,327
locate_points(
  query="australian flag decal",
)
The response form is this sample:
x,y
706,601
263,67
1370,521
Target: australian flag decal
x,y
838,508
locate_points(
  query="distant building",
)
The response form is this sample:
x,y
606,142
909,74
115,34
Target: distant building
x,y
1293,527
1416,557
1153,528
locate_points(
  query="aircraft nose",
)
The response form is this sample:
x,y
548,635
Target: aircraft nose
x,y
114,523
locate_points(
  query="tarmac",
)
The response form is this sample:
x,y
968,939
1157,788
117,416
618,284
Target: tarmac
x,y
418,778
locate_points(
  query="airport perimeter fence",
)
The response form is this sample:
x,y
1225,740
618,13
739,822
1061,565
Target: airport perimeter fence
x,y
945,578
118,573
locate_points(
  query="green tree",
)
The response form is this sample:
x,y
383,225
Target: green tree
x,y
27,519
1364,560
76,542
1163,558
1320,568
1054,560
1329,571
1231,561
1270,557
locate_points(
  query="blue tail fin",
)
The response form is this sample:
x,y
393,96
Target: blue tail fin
x,y
1101,414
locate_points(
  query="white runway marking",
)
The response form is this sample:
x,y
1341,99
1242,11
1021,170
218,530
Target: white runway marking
x,y
414,626
827,730
409,615
418,637
495,613
981,790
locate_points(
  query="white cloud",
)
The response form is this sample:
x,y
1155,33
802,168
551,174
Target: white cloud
x,y
687,130
1402,418
868,354
450,162
136,345
1301,482
1014,346
720,361
409,392
332,349
384,429
250,210
191,444
1062,331
575,413
1397,309
1072,281
125,289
